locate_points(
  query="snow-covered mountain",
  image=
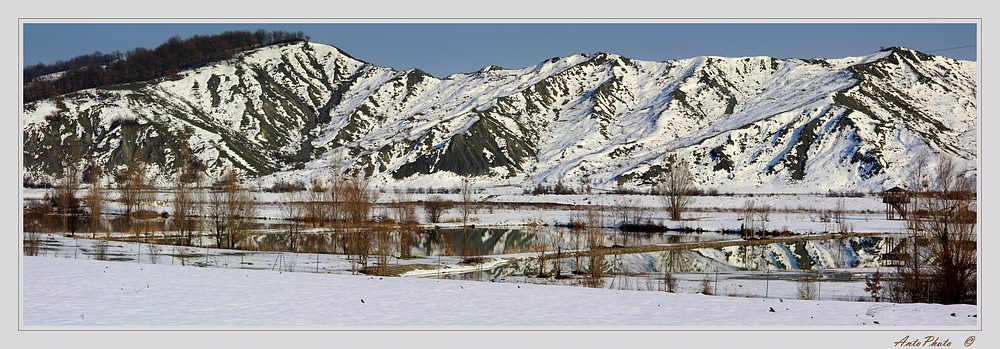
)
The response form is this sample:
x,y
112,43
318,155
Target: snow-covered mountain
x,y
296,111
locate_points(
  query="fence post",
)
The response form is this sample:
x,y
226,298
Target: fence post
x,y
716,290
819,283
767,281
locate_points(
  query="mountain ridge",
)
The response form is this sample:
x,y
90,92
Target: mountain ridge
x,y
285,112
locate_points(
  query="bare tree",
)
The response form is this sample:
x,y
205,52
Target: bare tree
x,y
358,200
843,226
69,184
406,216
748,216
185,198
677,187
134,188
595,244
671,261
383,247
468,204
95,197
577,230
241,207
216,215
336,185
754,219
541,244
231,211
316,210
294,212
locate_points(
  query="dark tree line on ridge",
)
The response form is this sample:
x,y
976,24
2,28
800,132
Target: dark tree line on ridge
x,y
141,64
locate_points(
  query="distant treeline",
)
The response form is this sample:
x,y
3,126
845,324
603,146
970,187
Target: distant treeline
x,y
141,64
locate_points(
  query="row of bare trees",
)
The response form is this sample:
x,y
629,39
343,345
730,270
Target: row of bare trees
x,y
230,206
942,262
753,219
230,211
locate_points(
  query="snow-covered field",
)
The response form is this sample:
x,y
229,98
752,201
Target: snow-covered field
x,y
83,293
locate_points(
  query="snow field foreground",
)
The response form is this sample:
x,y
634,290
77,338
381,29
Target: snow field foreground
x,y
68,292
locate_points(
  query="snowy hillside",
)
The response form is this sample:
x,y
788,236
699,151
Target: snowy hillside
x,y
287,111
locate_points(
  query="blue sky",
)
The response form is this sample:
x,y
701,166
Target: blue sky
x,y
443,49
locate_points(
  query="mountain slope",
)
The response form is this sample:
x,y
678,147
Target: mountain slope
x,y
296,111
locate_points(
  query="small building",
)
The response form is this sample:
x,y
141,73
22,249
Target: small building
x,y
895,200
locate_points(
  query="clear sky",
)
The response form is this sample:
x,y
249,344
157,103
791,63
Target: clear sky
x,y
443,49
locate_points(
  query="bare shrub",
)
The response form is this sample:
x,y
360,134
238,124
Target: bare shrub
x,y
153,252
434,207
38,215
629,213
32,243
285,187
101,250
706,285
764,212
808,286
669,282
873,285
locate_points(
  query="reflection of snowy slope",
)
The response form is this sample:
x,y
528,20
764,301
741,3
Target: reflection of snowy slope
x,y
858,252
285,111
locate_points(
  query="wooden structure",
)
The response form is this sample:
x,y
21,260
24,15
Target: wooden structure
x,y
895,200
897,256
